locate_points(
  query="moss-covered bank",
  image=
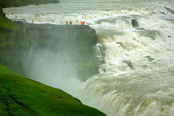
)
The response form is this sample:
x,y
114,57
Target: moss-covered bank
x,y
23,97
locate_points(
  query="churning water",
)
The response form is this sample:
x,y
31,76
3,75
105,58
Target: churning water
x,y
137,77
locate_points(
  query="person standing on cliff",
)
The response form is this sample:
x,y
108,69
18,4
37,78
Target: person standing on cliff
x,y
71,22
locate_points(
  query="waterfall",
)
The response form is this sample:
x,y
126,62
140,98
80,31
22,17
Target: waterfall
x,y
130,83
135,52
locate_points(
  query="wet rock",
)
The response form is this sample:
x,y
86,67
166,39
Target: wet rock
x,y
121,44
135,23
170,10
149,58
129,63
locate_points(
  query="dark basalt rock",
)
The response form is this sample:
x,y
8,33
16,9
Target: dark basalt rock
x,y
150,59
129,63
77,41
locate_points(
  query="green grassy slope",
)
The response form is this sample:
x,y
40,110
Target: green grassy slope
x,y
23,97
6,23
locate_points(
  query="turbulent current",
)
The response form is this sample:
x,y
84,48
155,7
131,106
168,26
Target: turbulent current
x,y
136,43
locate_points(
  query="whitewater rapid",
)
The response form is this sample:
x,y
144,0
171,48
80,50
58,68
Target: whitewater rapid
x,y
136,45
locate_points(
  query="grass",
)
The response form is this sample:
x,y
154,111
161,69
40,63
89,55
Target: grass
x,y
25,97
6,23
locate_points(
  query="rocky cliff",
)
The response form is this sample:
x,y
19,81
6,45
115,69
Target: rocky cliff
x,y
78,41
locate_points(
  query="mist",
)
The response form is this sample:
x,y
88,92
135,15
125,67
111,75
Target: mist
x,y
54,56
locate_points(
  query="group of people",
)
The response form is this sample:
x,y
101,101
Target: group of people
x,y
71,23
81,22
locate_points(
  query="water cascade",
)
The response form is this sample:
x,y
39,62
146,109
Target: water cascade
x,y
136,77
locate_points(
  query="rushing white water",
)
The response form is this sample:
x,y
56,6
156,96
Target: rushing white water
x,y
137,78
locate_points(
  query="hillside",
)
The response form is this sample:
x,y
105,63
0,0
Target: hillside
x,y
23,97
